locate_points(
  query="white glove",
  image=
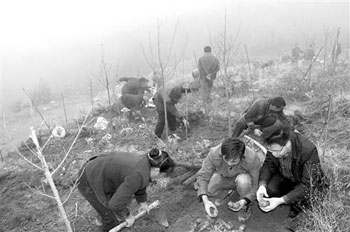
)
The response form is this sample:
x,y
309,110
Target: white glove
x,y
144,207
209,76
130,220
271,203
261,193
186,123
257,132
210,208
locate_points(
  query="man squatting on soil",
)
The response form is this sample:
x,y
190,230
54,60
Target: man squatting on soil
x,y
109,181
133,93
291,173
208,66
264,116
172,97
228,166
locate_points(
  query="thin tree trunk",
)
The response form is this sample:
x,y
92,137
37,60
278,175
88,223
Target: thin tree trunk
x,y
250,72
51,182
64,109
326,134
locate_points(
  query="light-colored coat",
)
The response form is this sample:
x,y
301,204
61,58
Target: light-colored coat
x,y
214,163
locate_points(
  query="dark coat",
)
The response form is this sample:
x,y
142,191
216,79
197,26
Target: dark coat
x,y
133,86
172,97
133,102
260,109
306,169
116,176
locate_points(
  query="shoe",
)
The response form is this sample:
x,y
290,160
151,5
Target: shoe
x,y
245,213
294,211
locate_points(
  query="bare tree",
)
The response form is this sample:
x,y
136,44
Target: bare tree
x,y
158,59
225,47
44,167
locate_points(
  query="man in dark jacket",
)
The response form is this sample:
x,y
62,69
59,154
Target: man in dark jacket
x,y
291,173
296,53
134,85
172,97
208,66
254,116
109,181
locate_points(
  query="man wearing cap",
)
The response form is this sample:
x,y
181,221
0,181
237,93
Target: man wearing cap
x,y
172,97
208,66
255,116
109,181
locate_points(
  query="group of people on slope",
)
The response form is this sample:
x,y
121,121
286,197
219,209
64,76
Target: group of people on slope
x,y
134,98
290,174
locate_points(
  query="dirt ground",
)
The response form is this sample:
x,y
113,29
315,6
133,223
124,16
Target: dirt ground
x,y
22,208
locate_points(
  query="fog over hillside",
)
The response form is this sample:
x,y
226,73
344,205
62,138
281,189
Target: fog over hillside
x,y
60,41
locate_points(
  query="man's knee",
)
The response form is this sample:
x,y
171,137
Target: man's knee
x,y
243,181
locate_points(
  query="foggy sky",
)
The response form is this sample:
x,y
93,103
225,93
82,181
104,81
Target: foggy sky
x,y
60,41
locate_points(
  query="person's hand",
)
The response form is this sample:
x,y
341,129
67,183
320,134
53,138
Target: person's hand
x,y
210,208
236,206
186,123
257,132
130,220
271,203
209,76
144,207
261,193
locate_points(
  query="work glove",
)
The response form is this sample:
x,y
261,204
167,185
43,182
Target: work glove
x,y
261,193
130,220
186,123
271,203
210,209
144,207
236,206
257,132
208,76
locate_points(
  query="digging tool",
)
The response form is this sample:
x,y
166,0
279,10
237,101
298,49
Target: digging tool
x,y
156,212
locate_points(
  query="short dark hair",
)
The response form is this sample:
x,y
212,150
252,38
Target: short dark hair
x,y
280,137
207,49
233,147
278,102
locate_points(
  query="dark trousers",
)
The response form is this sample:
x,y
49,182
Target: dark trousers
x,y
279,186
240,126
161,122
109,220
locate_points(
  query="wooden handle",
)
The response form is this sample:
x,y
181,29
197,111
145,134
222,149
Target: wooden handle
x,y
121,226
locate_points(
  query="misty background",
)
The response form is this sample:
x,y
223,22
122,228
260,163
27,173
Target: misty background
x,y
59,42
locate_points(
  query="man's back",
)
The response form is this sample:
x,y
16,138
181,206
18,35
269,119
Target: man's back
x,y
208,64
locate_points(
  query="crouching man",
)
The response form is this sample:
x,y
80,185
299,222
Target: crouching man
x,y
229,166
109,181
291,173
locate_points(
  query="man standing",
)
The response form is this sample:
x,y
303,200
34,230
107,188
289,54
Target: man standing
x,y
229,166
310,53
172,97
208,66
255,116
291,173
296,53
